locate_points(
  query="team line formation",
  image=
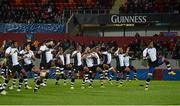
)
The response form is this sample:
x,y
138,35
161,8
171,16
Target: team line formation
x,y
86,59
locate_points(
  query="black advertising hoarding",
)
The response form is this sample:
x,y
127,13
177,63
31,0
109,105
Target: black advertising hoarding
x,y
127,18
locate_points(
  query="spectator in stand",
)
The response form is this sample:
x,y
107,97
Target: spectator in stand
x,y
137,35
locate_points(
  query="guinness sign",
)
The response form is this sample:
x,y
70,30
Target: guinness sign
x,y
116,19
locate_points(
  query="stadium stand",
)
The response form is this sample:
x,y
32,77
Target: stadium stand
x,y
46,11
150,6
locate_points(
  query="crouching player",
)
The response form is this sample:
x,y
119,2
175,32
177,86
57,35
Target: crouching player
x,y
96,65
60,66
28,57
14,66
120,67
68,65
77,66
130,66
88,63
106,64
42,74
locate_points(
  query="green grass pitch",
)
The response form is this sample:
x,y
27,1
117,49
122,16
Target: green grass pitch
x,y
160,93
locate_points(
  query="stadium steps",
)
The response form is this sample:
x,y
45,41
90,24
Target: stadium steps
x,y
117,4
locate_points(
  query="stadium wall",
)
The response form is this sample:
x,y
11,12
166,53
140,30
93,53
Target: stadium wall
x,y
159,74
121,41
120,32
132,33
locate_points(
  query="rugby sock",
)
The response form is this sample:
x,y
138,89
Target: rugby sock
x,y
91,78
91,82
58,74
20,83
127,75
135,75
106,74
169,66
101,79
35,77
25,81
148,80
57,79
72,82
5,83
2,72
1,88
86,76
37,85
14,81
83,82
45,79
121,81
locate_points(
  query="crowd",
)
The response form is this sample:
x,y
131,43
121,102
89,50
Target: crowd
x,y
150,6
35,13
56,11
48,11
169,49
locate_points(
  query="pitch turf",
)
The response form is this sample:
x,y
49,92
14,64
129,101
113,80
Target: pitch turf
x,y
160,93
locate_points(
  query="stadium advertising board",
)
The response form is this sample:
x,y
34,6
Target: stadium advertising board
x,y
116,19
126,18
34,28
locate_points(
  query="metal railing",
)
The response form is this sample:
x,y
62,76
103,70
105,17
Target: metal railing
x,y
90,11
68,13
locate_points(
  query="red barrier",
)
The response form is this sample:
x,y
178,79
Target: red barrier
x,y
12,36
121,41
158,74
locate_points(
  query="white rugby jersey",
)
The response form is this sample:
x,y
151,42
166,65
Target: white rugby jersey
x,y
27,56
14,56
49,55
77,58
107,57
126,60
61,56
97,58
89,61
43,48
121,59
8,50
68,59
151,52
